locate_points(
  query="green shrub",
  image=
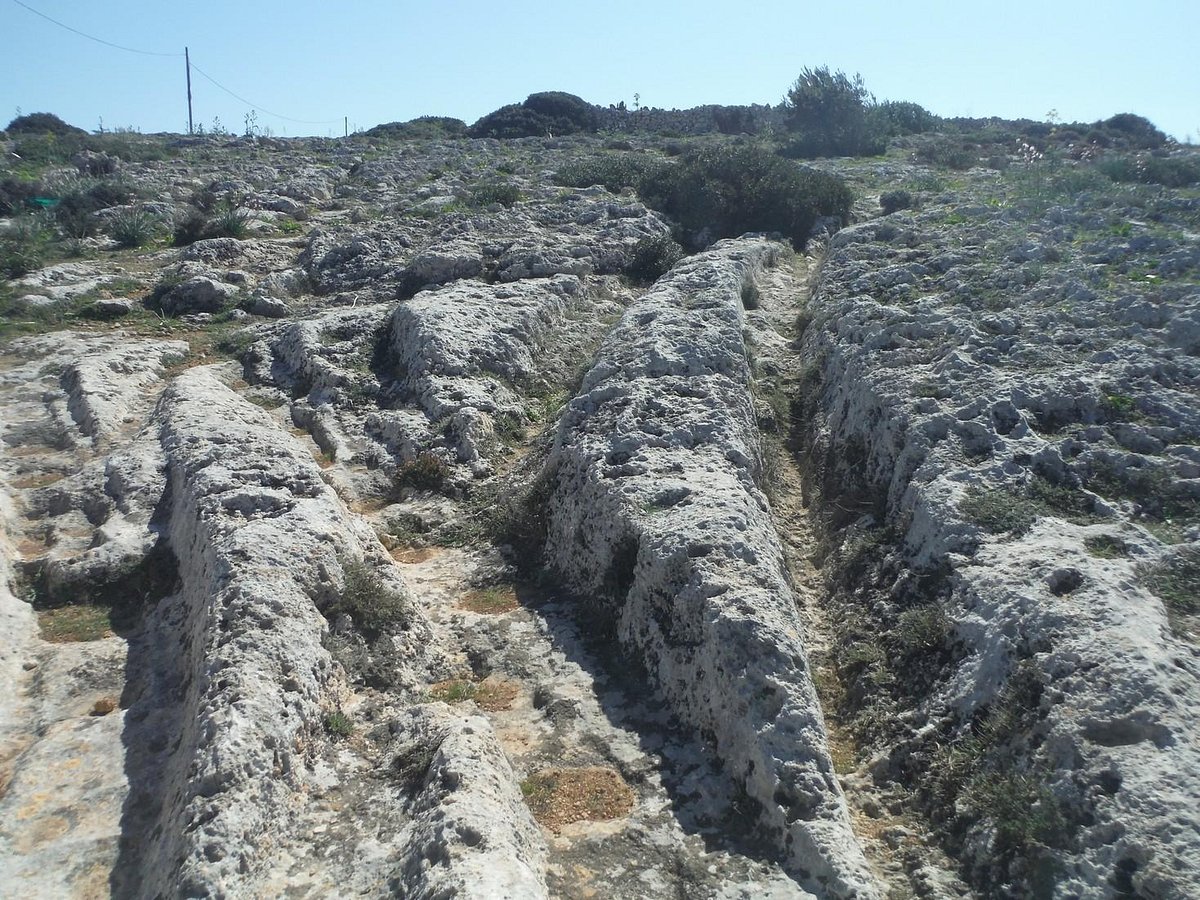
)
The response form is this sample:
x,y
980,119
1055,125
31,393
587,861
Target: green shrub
x,y
998,511
427,472
23,247
899,117
947,152
828,113
615,171
374,607
338,725
651,258
1169,171
503,192
229,221
893,201
133,228
15,194
569,113
1020,807
542,114
730,190
421,128
922,629
1135,131
42,123
1106,546
75,212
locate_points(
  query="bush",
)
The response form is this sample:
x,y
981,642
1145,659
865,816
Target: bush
x,y
900,117
570,113
651,258
338,725
828,112
228,221
23,247
427,472
76,210
421,128
734,120
42,123
893,201
947,152
547,113
15,194
728,191
189,227
1169,171
133,228
503,192
1135,132
373,606
615,171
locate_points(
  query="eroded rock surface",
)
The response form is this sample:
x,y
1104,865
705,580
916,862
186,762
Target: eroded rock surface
x,y
655,517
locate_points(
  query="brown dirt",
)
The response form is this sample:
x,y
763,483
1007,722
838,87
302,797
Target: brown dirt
x,y
559,797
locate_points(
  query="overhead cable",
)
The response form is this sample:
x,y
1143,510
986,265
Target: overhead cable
x,y
256,106
92,37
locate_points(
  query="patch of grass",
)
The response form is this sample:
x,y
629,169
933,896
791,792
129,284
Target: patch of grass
x,y
494,600
338,725
1106,546
1002,511
559,797
76,623
1176,580
998,511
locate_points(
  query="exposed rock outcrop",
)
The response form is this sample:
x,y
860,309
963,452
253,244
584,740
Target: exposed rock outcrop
x,y
656,519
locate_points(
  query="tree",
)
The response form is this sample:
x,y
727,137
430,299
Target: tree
x,y
828,112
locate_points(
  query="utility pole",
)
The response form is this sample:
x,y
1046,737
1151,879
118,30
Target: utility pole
x,y
346,125
187,60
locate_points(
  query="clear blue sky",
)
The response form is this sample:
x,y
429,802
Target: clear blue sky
x,y
376,61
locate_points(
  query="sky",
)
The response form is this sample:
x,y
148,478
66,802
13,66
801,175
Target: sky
x,y
306,67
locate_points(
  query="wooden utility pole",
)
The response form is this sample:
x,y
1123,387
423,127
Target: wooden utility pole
x,y
346,125
187,60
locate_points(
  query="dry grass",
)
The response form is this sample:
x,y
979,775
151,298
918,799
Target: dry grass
x,y
412,555
559,797
491,695
495,600
36,480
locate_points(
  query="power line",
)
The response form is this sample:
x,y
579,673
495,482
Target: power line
x,y
261,109
91,37
192,65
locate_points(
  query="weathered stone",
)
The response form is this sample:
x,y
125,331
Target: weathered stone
x,y
198,295
656,514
